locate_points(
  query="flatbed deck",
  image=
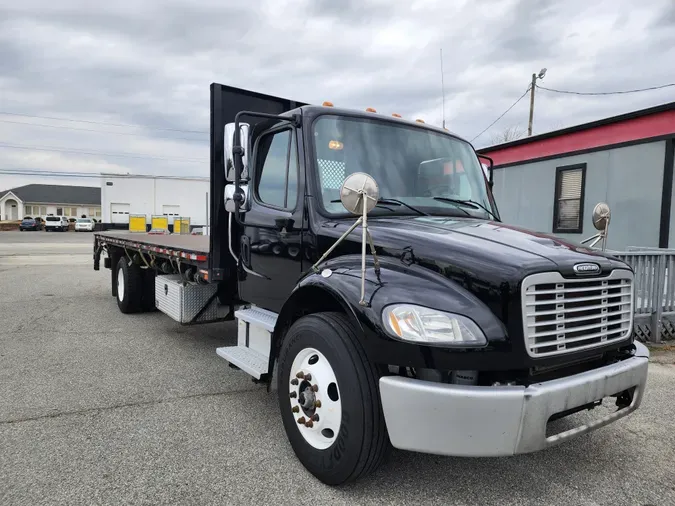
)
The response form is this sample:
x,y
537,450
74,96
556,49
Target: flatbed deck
x,y
193,243
194,248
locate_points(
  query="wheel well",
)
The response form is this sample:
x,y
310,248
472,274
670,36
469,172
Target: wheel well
x,y
306,301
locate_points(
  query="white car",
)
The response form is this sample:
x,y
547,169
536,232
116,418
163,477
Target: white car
x,y
53,223
84,225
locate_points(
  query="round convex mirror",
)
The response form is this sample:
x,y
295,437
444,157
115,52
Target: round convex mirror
x,y
601,216
355,188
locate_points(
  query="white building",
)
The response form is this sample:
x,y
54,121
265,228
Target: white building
x,y
124,195
41,200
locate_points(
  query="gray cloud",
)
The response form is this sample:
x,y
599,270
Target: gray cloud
x,y
149,64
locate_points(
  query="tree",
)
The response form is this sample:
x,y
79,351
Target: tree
x,y
508,134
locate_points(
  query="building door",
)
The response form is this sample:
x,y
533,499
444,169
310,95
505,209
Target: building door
x,y
171,212
119,213
12,210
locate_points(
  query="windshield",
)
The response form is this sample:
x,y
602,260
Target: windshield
x,y
83,220
410,164
53,218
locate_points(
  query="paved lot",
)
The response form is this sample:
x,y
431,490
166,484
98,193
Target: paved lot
x,y
101,408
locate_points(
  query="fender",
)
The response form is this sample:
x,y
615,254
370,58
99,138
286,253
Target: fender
x,y
337,287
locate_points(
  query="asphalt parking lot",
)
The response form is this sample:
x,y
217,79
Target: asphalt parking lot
x,y
97,407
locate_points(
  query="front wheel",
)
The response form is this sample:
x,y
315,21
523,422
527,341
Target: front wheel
x,y
329,399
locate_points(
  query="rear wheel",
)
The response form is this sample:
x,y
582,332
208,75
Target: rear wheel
x,y
129,286
329,399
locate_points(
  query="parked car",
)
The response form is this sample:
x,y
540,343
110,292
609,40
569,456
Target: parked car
x,y
57,223
84,225
29,224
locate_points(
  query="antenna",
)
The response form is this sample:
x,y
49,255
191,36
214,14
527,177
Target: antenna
x,y
442,89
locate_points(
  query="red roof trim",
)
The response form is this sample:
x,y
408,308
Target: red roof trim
x,y
644,127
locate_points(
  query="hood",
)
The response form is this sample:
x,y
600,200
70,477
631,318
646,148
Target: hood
x,y
482,250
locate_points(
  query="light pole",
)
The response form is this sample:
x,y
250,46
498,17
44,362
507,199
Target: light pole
x,y
541,75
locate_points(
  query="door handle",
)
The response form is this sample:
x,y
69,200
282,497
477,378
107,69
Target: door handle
x,y
246,250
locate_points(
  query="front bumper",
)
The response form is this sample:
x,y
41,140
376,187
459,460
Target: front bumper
x,y
475,421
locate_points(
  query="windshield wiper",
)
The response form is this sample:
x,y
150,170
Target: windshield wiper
x,y
392,202
401,203
468,203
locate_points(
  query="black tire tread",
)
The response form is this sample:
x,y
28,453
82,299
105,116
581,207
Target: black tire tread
x,y
372,454
133,277
375,445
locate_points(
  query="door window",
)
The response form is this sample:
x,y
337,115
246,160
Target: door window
x,y
278,169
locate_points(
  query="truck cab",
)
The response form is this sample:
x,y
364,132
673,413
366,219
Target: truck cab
x,y
429,324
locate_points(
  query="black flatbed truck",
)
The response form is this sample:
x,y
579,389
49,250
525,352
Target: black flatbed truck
x,y
466,337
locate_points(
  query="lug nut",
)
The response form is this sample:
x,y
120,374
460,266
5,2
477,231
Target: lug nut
x,y
315,388
294,381
315,417
308,377
309,424
295,409
301,420
293,394
300,375
317,404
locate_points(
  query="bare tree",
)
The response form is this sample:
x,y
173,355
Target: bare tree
x,y
508,134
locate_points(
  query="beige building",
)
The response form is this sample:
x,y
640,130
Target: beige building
x,y
44,199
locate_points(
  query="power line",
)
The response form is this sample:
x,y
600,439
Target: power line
x,y
502,115
93,130
50,173
9,113
99,153
606,92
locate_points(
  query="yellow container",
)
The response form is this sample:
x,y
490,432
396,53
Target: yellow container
x,y
181,225
159,223
136,223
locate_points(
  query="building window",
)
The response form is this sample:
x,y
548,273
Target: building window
x,y
27,210
568,213
59,211
43,210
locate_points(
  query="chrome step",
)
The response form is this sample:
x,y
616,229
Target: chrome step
x,y
257,317
246,359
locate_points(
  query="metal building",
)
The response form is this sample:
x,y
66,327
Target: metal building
x,y
551,182
125,195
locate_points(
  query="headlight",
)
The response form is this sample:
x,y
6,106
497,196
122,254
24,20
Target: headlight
x,y
430,326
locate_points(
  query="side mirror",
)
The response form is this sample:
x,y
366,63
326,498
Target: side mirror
x,y
236,199
244,129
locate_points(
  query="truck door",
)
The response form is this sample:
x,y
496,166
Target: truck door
x,y
271,242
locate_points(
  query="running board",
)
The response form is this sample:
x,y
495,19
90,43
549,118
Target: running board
x,y
254,339
246,359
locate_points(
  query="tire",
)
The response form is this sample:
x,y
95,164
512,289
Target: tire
x,y
148,297
322,343
129,287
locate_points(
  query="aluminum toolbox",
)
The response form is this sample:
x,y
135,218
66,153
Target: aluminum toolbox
x,y
182,301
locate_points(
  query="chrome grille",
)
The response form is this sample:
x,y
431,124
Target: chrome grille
x,y
563,315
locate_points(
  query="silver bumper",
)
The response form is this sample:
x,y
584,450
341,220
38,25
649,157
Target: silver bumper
x,y
474,421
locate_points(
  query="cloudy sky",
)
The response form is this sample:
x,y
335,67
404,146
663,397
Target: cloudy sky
x,y
136,74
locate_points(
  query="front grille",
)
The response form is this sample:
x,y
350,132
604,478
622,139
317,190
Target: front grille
x,y
566,315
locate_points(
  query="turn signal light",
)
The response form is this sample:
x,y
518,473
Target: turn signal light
x,y
370,109
420,120
396,115
327,104
335,145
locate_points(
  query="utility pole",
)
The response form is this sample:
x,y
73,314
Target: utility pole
x,y
532,86
541,75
